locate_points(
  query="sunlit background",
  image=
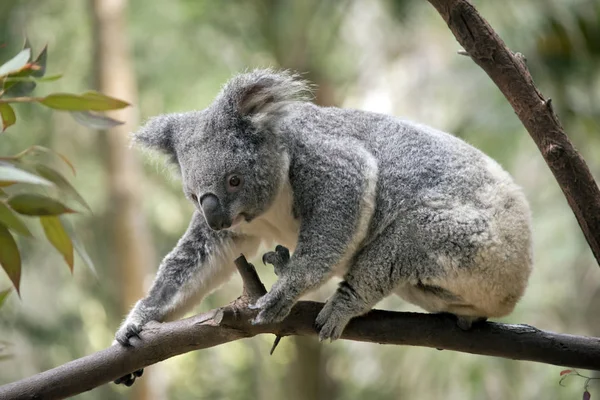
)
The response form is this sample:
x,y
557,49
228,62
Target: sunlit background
x,y
390,56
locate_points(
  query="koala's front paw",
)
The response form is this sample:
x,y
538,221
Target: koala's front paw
x,y
126,332
331,322
278,258
274,306
123,336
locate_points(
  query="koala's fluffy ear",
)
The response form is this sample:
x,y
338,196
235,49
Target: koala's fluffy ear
x,y
261,93
157,134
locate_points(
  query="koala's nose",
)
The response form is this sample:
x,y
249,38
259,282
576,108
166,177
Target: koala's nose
x,y
213,212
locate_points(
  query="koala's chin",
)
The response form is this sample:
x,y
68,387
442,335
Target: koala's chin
x,y
240,218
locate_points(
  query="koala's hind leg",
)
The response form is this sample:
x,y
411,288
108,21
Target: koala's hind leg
x,y
374,274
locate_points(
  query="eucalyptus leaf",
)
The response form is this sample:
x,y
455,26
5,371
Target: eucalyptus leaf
x,y
87,102
10,258
37,204
8,115
9,175
16,63
40,61
79,247
32,78
11,221
3,295
95,121
14,88
41,149
59,180
58,237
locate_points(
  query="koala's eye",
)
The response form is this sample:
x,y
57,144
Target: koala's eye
x,y
194,197
234,182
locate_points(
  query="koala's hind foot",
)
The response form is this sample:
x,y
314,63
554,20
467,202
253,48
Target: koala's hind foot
x,y
278,258
332,320
466,322
123,336
129,379
374,274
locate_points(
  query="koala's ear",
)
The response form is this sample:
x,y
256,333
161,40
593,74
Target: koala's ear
x,y
157,134
266,91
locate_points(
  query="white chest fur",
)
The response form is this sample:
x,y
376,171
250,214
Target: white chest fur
x,y
277,225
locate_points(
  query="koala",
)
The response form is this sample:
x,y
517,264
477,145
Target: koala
x,y
388,205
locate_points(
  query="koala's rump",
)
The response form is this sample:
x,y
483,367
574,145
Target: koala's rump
x,y
479,249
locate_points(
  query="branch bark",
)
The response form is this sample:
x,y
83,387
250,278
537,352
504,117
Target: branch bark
x,y
161,341
509,72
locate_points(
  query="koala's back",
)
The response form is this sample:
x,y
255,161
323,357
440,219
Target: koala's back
x,y
465,221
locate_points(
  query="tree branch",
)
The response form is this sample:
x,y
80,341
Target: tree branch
x,y
509,72
161,341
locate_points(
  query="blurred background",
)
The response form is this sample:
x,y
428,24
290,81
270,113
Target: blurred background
x,y
390,56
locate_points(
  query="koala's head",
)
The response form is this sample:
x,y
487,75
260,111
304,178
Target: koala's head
x,y
230,154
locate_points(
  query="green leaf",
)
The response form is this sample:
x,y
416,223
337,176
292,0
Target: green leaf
x,y
90,101
56,234
11,221
3,295
40,61
8,115
60,181
79,248
10,175
49,78
16,63
10,259
18,89
14,88
94,121
37,204
41,149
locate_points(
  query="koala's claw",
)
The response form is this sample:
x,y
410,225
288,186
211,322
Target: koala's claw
x,y
466,322
278,258
330,323
129,379
126,333
274,308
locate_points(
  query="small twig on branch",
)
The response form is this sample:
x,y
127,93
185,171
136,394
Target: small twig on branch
x,y
253,287
509,72
161,341
275,344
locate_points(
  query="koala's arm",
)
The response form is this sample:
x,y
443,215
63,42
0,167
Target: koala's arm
x,y
332,208
200,262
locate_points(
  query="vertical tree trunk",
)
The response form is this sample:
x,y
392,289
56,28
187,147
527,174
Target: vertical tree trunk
x,y
130,239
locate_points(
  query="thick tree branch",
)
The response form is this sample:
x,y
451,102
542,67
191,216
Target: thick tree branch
x,y
161,341
509,72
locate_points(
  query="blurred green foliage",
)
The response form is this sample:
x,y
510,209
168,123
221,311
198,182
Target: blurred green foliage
x,y
21,179
392,56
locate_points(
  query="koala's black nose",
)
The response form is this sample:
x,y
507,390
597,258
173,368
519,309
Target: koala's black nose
x,y
213,212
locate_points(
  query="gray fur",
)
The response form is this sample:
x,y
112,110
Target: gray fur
x,y
390,205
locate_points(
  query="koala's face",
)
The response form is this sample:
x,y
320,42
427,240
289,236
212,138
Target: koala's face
x,y
229,172
230,157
